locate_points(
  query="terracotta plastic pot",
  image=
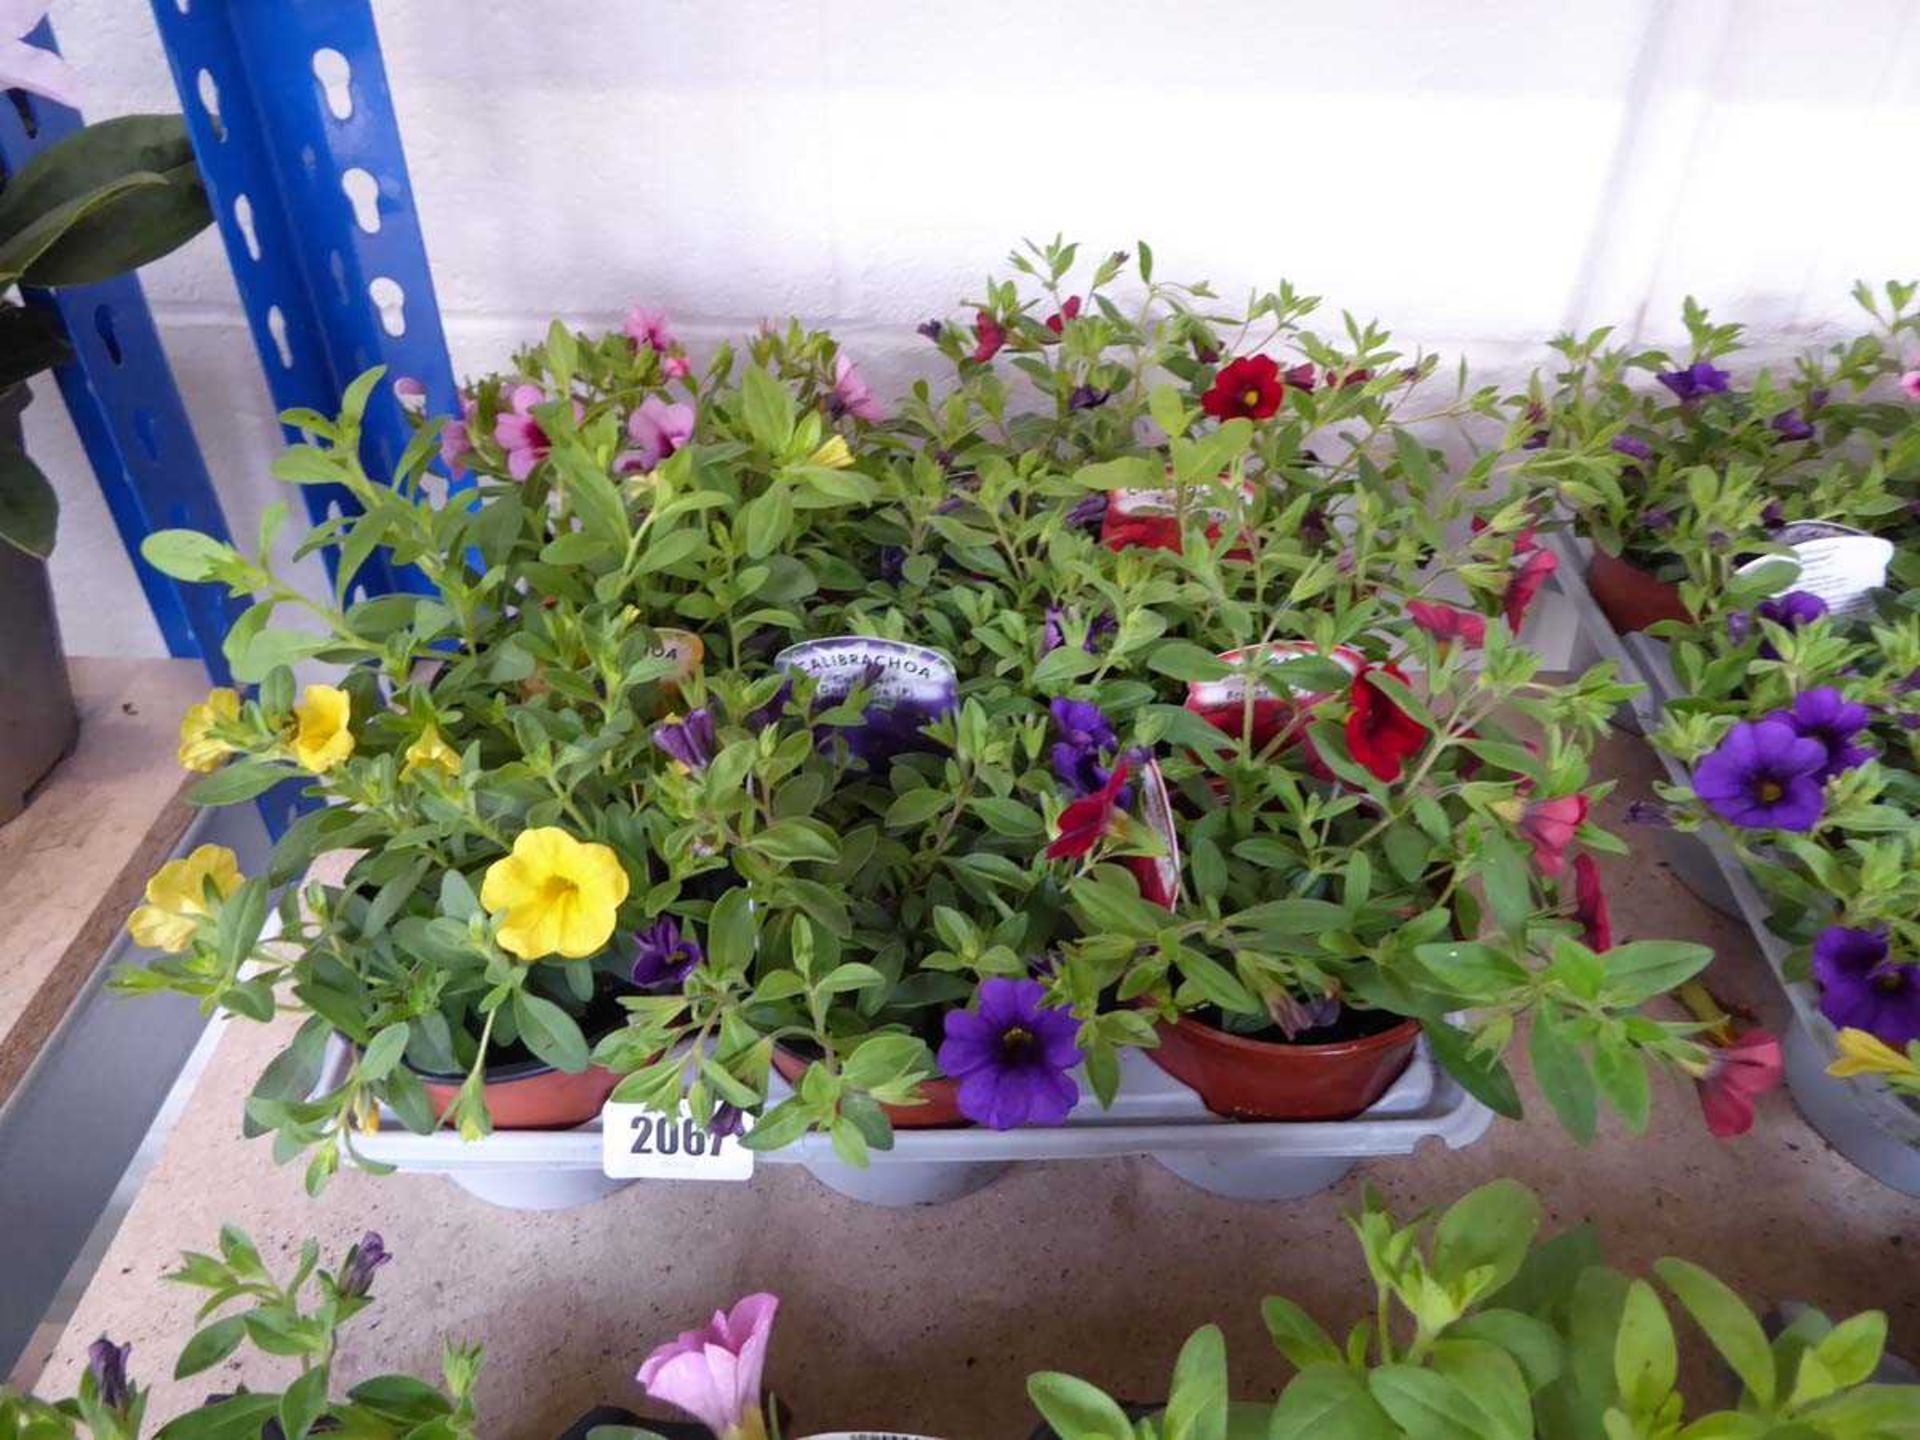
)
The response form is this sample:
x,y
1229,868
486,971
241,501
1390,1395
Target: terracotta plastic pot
x,y
531,1094
1247,1079
1629,597
940,1109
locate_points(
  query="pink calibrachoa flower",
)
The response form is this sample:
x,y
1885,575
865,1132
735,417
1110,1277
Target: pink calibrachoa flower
x,y
676,367
1590,905
519,434
657,429
1526,583
411,394
1737,1074
851,394
1446,622
456,436
1910,382
714,1373
649,327
1549,826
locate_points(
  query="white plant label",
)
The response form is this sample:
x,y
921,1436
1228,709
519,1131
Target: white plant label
x,y
1842,566
641,1144
893,670
866,1435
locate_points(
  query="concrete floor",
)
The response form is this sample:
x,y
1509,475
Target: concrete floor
x,y
929,1320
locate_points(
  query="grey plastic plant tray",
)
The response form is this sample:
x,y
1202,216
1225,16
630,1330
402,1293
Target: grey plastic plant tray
x,y
1154,1114
1862,1117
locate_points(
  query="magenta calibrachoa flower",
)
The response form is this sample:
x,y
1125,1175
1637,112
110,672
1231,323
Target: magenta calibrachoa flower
x,y
664,956
519,434
714,1373
851,393
1762,776
657,429
1863,988
1012,1056
649,328
1824,714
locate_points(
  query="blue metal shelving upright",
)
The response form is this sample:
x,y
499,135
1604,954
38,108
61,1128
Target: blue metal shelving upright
x,y
293,125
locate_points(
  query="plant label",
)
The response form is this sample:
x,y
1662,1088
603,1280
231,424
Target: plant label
x,y
684,648
909,687
865,1435
1158,875
1222,703
641,1144
1840,565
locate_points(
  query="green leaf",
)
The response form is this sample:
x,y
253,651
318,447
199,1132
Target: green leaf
x,y
1533,1344
1485,1077
304,1402
239,1417
242,780
1727,1322
730,932
1621,1072
1009,818
796,840
384,1052
150,199
31,340
767,520
1075,1409
22,249
1197,1403
767,409
1642,969
1426,1405
1504,874
210,1346
29,509
1851,1350
1561,1072
1329,1402
1297,916
185,554
1491,1382
1183,660
1297,1335
1646,1359
1129,472
550,1032
591,493
1488,1229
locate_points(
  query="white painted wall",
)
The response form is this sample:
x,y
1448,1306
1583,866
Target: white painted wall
x,y
1476,174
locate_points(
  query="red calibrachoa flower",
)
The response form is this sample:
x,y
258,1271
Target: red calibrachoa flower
x,y
1549,826
990,336
1737,1075
1250,386
1590,905
1380,735
1447,623
1057,322
1525,584
1085,822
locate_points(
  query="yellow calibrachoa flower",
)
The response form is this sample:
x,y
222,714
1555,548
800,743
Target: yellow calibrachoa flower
x,y
431,750
554,895
834,454
177,897
199,748
323,739
1865,1054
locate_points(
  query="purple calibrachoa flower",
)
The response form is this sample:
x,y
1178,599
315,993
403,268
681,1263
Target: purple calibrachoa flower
x,y
1087,397
665,956
1632,446
1773,514
107,1364
1053,632
1649,813
1012,1056
1085,738
1791,425
1763,776
691,741
1793,609
356,1272
1090,513
1699,378
1824,714
1658,520
1863,987
932,329
714,1373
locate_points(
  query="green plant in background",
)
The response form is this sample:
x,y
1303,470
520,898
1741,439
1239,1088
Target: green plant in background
x,y
298,1320
1482,1332
102,202
1686,476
